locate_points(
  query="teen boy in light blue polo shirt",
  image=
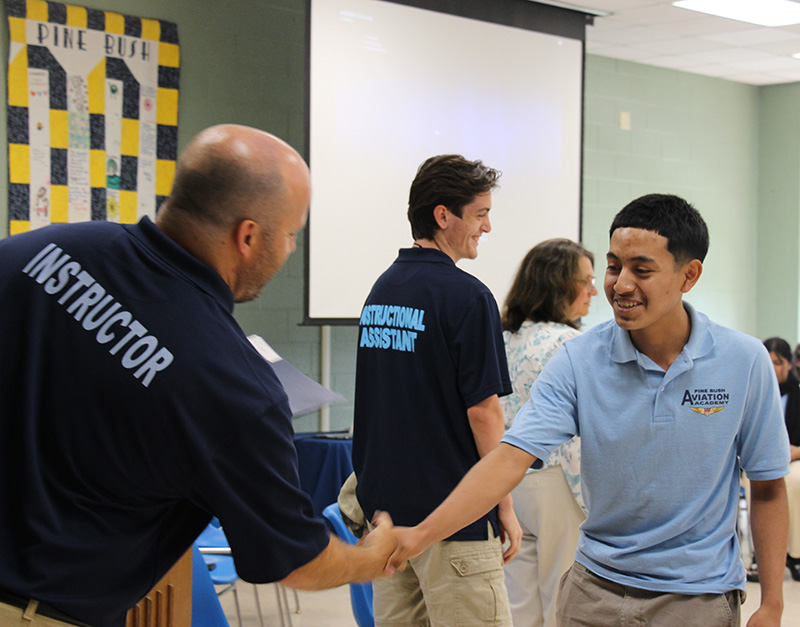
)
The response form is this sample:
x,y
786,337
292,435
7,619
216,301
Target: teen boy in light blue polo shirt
x,y
668,406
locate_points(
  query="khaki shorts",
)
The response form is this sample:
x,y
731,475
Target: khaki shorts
x,y
452,583
585,599
352,514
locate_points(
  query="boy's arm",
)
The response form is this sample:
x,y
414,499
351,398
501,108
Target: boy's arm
x,y
487,482
769,522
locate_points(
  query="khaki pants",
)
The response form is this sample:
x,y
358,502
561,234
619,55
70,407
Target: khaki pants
x,y
584,599
452,583
550,520
13,616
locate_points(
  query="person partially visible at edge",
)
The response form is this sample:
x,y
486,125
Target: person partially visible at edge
x,y
781,355
430,370
796,362
552,291
134,408
668,405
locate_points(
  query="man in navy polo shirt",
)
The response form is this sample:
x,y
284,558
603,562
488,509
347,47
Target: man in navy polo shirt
x,y
134,408
431,365
669,406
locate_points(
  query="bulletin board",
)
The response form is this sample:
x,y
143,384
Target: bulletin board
x,y
92,114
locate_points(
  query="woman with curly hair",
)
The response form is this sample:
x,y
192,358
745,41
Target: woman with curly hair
x,y
551,292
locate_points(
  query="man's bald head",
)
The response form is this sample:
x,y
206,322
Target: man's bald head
x,y
228,173
239,199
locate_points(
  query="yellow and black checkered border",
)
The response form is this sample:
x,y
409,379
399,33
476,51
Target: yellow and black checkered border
x,y
166,113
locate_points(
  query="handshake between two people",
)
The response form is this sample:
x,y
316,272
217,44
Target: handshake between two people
x,y
397,545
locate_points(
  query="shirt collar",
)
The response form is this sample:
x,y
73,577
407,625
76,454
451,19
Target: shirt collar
x,y
429,255
181,261
700,343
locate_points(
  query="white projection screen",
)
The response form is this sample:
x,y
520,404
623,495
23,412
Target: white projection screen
x,y
390,86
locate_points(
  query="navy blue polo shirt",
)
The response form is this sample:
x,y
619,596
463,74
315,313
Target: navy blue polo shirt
x,y
133,408
430,346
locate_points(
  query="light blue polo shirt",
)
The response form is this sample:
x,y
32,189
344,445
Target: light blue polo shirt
x,y
659,450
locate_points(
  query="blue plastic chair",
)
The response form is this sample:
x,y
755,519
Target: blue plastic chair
x,y
206,610
220,565
360,593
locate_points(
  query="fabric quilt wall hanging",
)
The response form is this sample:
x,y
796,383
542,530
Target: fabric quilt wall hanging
x,y
92,114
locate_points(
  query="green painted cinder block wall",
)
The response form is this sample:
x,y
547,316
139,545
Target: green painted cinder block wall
x,y
690,135
778,278
732,149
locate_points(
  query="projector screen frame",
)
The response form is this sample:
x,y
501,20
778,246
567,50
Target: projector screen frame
x,y
524,14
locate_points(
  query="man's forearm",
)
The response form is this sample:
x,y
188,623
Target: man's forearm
x,y
340,563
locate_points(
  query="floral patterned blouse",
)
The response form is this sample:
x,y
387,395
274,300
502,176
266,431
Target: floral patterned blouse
x,y
528,350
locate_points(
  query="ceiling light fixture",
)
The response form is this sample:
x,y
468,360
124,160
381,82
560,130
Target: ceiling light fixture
x,y
761,12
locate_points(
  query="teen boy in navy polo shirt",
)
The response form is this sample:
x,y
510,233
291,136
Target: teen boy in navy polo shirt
x,y
133,407
668,405
431,365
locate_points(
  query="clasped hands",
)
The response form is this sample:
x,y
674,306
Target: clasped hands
x,y
397,545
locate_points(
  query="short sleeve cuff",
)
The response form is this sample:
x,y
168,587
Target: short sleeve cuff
x,y
538,451
767,475
500,388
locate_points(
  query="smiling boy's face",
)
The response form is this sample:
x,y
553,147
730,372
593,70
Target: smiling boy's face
x,y
642,283
460,235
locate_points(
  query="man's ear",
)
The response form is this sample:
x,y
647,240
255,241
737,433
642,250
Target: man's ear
x,y
441,216
691,274
244,236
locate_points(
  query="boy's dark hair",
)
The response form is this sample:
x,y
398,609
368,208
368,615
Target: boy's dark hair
x,y
671,217
449,180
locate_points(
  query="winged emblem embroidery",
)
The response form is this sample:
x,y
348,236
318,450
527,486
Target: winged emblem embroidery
x,y
706,411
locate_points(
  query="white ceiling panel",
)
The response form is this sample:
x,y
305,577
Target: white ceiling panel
x,y
781,49
675,62
653,14
684,44
777,64
618,52
755,37
655,32
730,55
760,78
631,36
616,5
717,69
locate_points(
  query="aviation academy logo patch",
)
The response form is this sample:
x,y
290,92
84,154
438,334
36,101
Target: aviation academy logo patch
x,y
706,402
706,411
